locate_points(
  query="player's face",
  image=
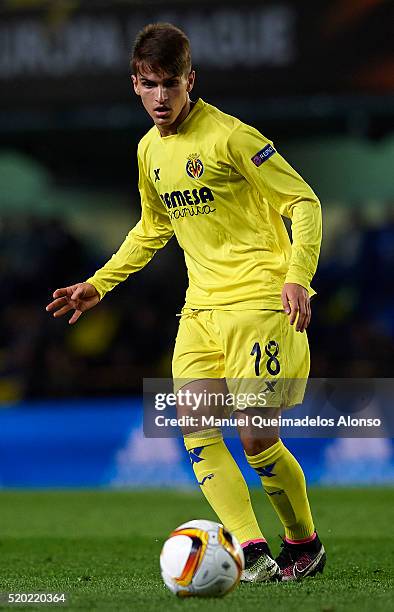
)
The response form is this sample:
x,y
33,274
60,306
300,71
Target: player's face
x,y
165,98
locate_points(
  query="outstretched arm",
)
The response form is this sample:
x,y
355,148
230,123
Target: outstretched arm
x,y
150,234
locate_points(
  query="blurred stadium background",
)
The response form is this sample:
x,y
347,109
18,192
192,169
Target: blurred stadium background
x,y
317,79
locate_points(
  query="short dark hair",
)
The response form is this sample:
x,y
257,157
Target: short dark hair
x,y
161,48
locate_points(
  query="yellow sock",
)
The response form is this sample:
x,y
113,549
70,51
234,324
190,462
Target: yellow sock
x,y
222,483
284,482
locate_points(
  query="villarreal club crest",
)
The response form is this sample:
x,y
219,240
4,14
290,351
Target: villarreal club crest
x,y
194,166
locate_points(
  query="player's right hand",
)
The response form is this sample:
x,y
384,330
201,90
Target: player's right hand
x,y
79,297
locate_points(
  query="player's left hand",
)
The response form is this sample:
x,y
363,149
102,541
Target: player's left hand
x,y
295,300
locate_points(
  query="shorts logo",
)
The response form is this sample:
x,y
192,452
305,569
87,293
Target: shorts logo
x,y
263,155
194,166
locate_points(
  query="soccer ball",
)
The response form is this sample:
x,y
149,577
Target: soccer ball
x,y
201,558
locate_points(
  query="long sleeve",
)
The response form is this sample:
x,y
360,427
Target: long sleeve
x,y
254,157
151,233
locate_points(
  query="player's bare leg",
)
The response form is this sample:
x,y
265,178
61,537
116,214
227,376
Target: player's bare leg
x,y
222,482
283,481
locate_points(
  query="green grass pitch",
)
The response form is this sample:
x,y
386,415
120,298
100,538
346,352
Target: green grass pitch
x,y
102,549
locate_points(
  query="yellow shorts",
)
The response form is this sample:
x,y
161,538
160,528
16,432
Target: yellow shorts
x,y
256,351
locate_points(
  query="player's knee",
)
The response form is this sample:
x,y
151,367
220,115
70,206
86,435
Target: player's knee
x,y
255,446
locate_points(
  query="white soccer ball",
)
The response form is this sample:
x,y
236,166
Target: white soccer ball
x,y
201,558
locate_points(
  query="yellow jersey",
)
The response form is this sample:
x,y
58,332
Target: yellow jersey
x,y
221,188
